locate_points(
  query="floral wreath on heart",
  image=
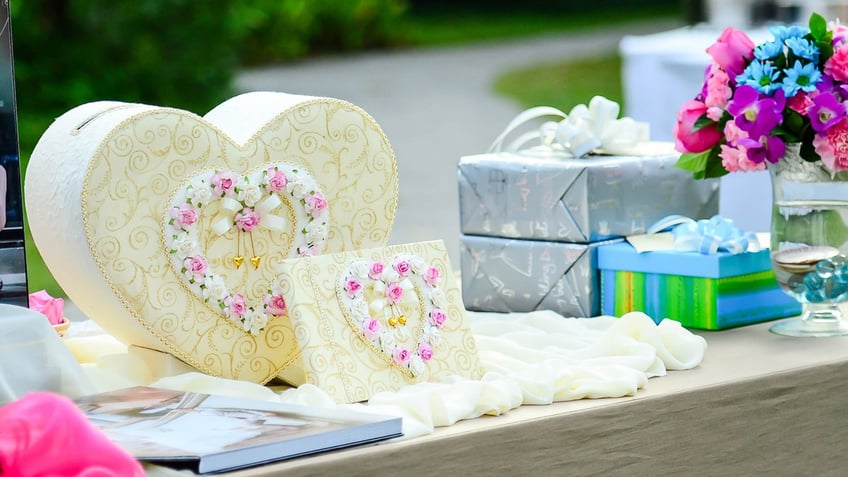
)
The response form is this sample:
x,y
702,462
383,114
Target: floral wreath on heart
x,y
245,204
394,283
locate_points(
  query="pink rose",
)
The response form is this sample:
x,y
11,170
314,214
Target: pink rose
x,y
196,265
224,183
52,308
688,140
315,204
376,270
732,51
801,102
183,216
401,356
832,146
46,434
718,92
277,180
393,293
438,317
353,288
275,305
837,65
425,351
733,133
247,219
371,329
402,267
235,304
735,159
432,276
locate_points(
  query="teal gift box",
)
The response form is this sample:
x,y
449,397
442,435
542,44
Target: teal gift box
x,y
703,291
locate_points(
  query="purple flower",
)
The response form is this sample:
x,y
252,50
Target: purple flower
x,y
757,117
769,148
825,111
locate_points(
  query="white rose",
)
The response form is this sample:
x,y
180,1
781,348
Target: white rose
x,y
200,195
359,309
376,307
215,288
316,232
390,275
379,288
359,269
437,296
297,187
418,264
387,340
255,322
416,365
250,195
184,246
432,335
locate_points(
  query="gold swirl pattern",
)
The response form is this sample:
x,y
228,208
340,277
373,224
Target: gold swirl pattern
x,y
351,362
130,186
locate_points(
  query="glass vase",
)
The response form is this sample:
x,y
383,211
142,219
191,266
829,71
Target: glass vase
x,y
809,243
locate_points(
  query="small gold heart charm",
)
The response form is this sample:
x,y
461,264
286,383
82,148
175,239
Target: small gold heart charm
x,y
402,320
238,260
254,260
393,322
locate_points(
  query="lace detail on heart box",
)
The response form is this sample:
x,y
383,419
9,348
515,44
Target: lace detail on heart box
x,y
373,296
246,203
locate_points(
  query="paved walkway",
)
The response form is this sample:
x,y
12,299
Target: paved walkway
x,y
435,106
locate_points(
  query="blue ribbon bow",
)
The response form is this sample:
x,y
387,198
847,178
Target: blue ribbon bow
x,y
707,236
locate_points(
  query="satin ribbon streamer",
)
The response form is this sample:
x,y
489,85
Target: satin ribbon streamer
x,y
707,236
263,208
583,130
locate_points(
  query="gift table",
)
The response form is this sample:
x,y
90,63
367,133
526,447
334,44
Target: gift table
x,y
758,403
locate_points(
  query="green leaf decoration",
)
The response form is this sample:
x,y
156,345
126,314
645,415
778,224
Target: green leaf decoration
x,y
702,165
818,26
702,122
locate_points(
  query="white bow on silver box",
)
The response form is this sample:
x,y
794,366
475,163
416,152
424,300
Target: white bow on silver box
x,y
583,130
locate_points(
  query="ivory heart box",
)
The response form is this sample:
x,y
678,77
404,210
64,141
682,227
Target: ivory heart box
x,y
376,320
166,228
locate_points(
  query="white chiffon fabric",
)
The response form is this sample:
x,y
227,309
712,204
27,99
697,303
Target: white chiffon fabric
x,y
535,358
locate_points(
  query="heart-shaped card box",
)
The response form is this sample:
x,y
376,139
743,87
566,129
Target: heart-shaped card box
x,y
165,228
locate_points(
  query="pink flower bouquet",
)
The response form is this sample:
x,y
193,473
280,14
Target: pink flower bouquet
x,y
755,100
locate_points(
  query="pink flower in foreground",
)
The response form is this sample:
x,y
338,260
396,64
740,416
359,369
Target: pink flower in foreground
x,y
315,204
45,434
402,267
195,266
438,317
52,308
732,51
718,92
832,146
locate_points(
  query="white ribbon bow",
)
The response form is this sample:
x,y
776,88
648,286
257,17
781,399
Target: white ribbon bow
x,y
263,209
583,130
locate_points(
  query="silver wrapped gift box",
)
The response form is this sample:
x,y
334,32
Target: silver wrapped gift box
x,y
576,200
504,275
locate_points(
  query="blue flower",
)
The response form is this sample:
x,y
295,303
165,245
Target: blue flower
x,y
801,77
803,48
760,76
768,50
782,33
